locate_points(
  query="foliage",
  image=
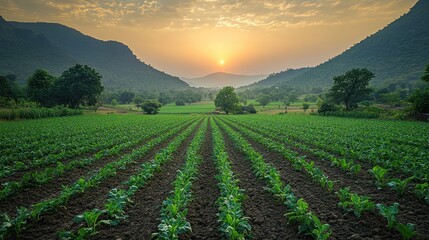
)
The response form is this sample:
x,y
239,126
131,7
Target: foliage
x,y
126,97
180,103
264,100
151,106
425,76
40,88
354,203
39,112
138,100
399,185
226,99
389,213
351,87
305,106
326,106
77,85
420,100
380,175
249,109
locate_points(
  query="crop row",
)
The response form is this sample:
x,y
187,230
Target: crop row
x,y
350,202
421,188
13,226
114,208
298,211
32,179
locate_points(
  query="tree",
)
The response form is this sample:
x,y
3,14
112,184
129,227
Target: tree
x,y
293,97
420,99
351,87
138,100
164,98
126,97
40,87
305,106
226,99
77,85
151,106
425,76
264,100
114,102
9,88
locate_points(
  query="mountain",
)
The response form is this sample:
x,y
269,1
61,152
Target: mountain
x,y
59,47
396,54
278,78
221,79
22,51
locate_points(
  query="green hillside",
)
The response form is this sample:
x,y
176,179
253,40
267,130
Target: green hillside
x,y
60,47
22,51
396,54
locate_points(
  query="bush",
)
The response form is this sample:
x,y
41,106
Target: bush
x,y
327,107
249,109
151,107
180,103
41,112
351,114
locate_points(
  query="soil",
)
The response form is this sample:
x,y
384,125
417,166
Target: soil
x,y
143,215
202,209
265,212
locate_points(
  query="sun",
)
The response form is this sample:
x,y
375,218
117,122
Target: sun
x,y
221,62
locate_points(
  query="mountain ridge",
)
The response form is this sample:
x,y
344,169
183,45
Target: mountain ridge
x,y
120,68
221,79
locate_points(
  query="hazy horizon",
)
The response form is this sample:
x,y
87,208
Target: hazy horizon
x,y
191,39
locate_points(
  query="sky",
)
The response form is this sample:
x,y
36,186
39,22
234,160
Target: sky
x,y
192,38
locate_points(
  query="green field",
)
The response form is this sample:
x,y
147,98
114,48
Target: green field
x,y
185,175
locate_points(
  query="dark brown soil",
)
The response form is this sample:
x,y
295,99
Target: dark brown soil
x,y
62,219
411,209
265,212
42,192
143,216
324,204
202,209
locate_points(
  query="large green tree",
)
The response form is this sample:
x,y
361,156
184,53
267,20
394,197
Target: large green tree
x,y
79,84
351,87
40,87
226,99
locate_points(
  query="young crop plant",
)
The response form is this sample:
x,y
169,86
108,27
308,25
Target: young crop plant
x,y
422,190
174,208
298,162
298,211
352,202
233,223
390,212
380,175
400,186
115,207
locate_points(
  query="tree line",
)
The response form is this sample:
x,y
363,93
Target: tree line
x,y
78,85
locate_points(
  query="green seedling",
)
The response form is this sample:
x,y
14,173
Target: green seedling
x,y
389,213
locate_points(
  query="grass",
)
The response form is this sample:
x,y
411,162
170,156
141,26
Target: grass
x,y
208,106
199,107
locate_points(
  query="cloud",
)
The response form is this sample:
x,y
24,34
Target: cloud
x,y
196,14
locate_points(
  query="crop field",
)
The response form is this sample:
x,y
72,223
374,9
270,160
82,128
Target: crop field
x,y
213,177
